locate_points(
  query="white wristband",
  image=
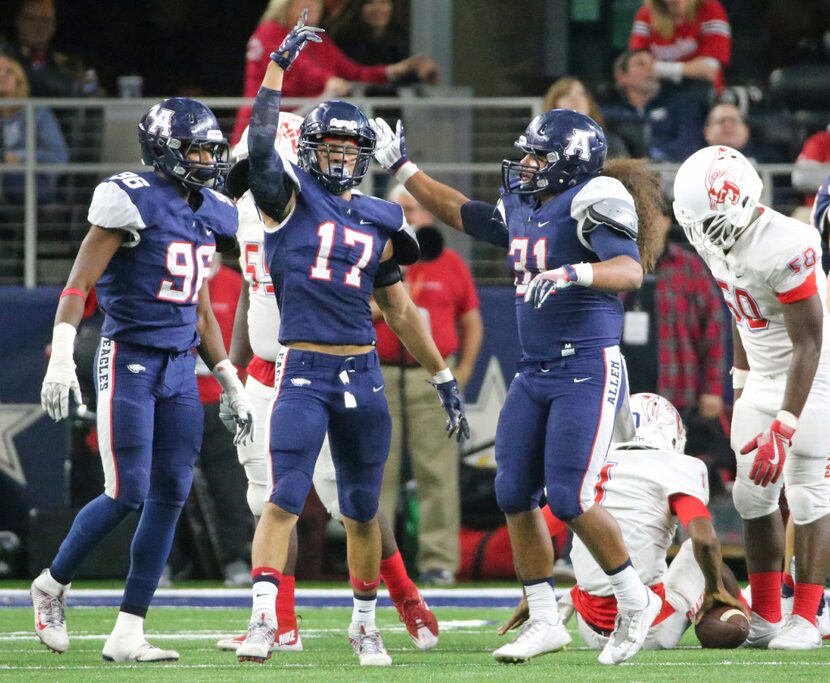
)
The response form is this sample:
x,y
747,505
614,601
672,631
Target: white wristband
x,y
63,341
787,419
444,376
671,71
405,172
739,377
225,374
584,274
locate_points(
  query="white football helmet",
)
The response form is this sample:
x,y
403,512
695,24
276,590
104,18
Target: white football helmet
x,y
286,141
716,191
657,424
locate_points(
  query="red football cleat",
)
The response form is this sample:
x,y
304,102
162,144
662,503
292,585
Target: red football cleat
x,y
420,622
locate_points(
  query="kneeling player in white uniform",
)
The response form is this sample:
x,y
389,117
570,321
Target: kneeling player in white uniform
x,y
647,484
255,345
766,265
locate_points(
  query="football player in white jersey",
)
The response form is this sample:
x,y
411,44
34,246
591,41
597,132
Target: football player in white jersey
x,y
767,266
255,346
647,484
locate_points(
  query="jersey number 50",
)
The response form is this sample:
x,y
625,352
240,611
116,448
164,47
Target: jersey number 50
x,y
188,264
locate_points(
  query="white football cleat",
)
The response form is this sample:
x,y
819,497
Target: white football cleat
x,y
536,637
290,641
630,631
796,634
823,620
130,650
50,614
368,645
761,631
260,639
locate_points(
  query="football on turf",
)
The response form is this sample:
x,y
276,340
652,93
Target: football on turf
x,y
722,627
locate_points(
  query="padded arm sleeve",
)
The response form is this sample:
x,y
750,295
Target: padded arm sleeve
x,y
388,273
687,508
608,243
485,222
271,184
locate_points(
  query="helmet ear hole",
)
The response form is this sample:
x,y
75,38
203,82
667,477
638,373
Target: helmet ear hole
x,y
174,127
573,146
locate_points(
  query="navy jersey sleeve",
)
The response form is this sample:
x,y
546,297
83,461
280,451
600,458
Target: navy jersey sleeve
x,y
271,181
608,243
218,213
485,222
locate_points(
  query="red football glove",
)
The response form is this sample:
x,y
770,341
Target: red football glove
x,y
773,445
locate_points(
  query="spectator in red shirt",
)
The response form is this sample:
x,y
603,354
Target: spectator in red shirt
x,y
688,38
813,163
442,287
324,71
226,483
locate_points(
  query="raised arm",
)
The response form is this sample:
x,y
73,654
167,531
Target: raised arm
x,y
479,220
270,181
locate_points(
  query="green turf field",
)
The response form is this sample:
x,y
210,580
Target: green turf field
x,y
462,654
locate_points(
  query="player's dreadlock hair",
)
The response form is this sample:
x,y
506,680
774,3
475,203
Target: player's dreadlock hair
x,y
644,186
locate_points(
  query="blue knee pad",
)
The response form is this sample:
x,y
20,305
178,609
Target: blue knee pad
x,y
513,496
359,501
291,490
133,487
173,488
563,502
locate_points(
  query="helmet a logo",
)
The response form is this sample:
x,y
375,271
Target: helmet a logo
x,y
160,122
722,183
579,144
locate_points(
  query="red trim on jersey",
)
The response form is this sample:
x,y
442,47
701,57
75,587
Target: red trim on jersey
x,y
600,611
261,370
604,476
687,508
804,291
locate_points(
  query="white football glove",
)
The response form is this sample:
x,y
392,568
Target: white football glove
x,y
234,409
61,377
390,148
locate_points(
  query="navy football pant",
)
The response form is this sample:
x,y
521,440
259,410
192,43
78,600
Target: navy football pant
x,y
555,429
315,393
149,433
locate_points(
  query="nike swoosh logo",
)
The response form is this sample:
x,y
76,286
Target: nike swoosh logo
x,y
542,225
362,222
377,389
578,380
260,595
774,461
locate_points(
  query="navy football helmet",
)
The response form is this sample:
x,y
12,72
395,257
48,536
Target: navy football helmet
x,y
177,127
572,144
337,118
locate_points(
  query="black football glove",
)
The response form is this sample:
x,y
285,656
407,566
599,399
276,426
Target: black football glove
x,y
295,41
453,404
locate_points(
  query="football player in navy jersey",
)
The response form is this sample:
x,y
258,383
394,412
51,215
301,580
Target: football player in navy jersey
x,y
328,249
147,253
571,231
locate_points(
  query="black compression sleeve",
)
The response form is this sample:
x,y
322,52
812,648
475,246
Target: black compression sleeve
x,y
270,184
388,273
484,222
